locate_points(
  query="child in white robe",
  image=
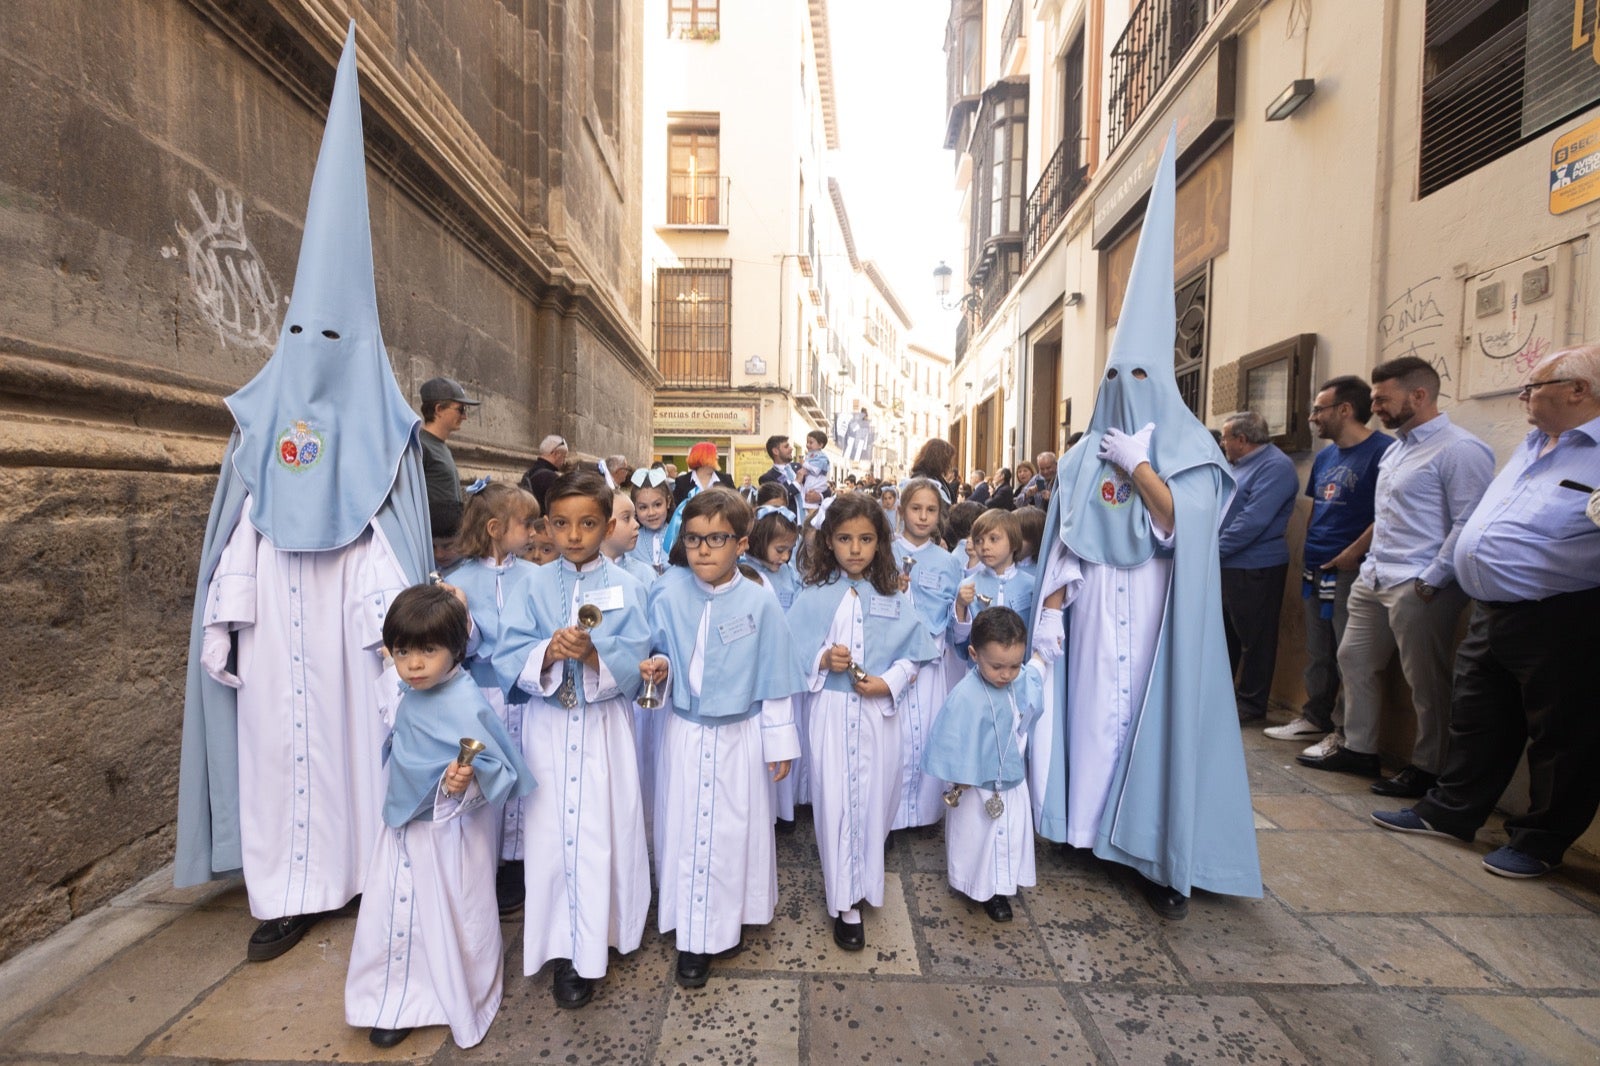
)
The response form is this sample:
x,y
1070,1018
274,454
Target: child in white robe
x,y
978,743
496,527
773,538
590,891
726,655
998,581
930,576
427,947
862,642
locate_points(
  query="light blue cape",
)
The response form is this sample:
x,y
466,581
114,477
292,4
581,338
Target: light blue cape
x,y
973,740
888,639
1178,809
208,844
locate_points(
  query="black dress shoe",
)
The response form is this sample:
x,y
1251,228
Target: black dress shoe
x,y
998,908
1410,782
1354,762
509,888
387,1037
1165,901
276,935
784,827
852,936
570,990
693,969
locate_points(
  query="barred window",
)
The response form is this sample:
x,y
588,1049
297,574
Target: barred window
x,y
694,343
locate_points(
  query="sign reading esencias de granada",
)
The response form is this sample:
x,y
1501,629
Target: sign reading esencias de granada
x,y
704,418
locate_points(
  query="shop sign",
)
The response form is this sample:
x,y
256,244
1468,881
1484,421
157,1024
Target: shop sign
x,y
704,418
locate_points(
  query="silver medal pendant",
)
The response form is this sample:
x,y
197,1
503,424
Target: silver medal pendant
x,y
567,694
994,805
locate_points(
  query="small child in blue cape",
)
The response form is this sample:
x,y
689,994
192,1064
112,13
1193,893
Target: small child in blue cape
x,y
724,652
496,527
978,742
862,644
816,471
572,634
998,582
427,947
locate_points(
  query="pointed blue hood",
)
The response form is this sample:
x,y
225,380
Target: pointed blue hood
x,y
323,426
1102,519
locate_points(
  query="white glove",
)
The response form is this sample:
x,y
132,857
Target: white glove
x,y
216,642
1049,635
1127,450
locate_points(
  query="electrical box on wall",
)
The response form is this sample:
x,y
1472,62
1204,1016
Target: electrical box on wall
x,y
1518,313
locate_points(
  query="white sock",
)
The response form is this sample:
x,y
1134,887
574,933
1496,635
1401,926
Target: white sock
x,y
850,917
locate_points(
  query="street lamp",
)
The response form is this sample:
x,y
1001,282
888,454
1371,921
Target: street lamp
x,y
941,279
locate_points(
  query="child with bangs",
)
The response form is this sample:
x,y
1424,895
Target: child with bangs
x,y
862,643
652,507
997,540
496,527
572,636
727,662
930,576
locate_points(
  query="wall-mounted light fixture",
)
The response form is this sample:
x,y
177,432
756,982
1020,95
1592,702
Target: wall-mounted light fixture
x,y
1288,102
941,282
1073,299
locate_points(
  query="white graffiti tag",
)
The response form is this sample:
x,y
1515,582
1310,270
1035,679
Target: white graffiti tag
x,y
231,286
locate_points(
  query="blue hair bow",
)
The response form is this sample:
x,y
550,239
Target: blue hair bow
x,y
772,508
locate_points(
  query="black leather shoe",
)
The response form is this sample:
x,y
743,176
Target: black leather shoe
x,y
387,1037
1410,782
509,888
1167,902
570,990
1353,762
998,908
276,935
784,827
693,969
850,936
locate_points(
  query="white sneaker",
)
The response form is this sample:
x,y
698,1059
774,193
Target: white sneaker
x,y
1324,747
1300,727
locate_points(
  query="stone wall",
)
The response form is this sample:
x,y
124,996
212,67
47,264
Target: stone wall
x,y
155,159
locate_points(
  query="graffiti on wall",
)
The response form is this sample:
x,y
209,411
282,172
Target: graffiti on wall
x,y
1414,324
232,288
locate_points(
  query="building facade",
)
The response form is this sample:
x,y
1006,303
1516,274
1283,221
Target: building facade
x,y
155,162
765,320
1357,182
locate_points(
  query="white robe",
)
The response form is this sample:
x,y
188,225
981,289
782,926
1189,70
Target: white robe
x,y
986,856
427,948
718,866
587,869
921,794
855,767
1112,633
481,645
311,780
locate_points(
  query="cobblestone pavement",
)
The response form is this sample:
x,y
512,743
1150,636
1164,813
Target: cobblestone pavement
x,y
1369,947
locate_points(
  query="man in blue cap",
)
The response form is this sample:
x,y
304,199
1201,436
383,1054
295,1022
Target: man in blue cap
x,y
1139,756
319,521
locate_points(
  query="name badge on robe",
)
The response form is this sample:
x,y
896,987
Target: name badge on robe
x,y
607,599
736,628
884,607
931,580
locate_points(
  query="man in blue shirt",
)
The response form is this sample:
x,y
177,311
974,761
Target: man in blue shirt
x,y
1338,530
1530,559
1254,556
1406,597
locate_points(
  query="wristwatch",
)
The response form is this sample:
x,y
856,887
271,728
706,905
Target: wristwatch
x,y
1424,589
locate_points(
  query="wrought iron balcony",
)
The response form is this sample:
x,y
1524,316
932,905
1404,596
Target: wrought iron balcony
x,y
697,201
1158,35
1060,185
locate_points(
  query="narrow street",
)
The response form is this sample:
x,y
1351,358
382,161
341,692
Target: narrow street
x,y
1370,947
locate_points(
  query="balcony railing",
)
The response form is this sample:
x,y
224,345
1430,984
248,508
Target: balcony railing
x,y
1158,35
1011,31
697,201
1059,187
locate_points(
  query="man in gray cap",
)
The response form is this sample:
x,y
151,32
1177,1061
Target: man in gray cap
x,y
444,408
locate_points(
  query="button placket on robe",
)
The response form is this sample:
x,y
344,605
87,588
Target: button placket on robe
x,y
299,836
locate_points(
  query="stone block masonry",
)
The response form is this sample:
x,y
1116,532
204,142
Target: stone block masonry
x,y
155,161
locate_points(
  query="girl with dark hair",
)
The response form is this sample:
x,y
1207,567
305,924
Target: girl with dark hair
x,y
936,461
862,643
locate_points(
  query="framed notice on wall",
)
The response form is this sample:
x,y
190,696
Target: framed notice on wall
x,y
1275,383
